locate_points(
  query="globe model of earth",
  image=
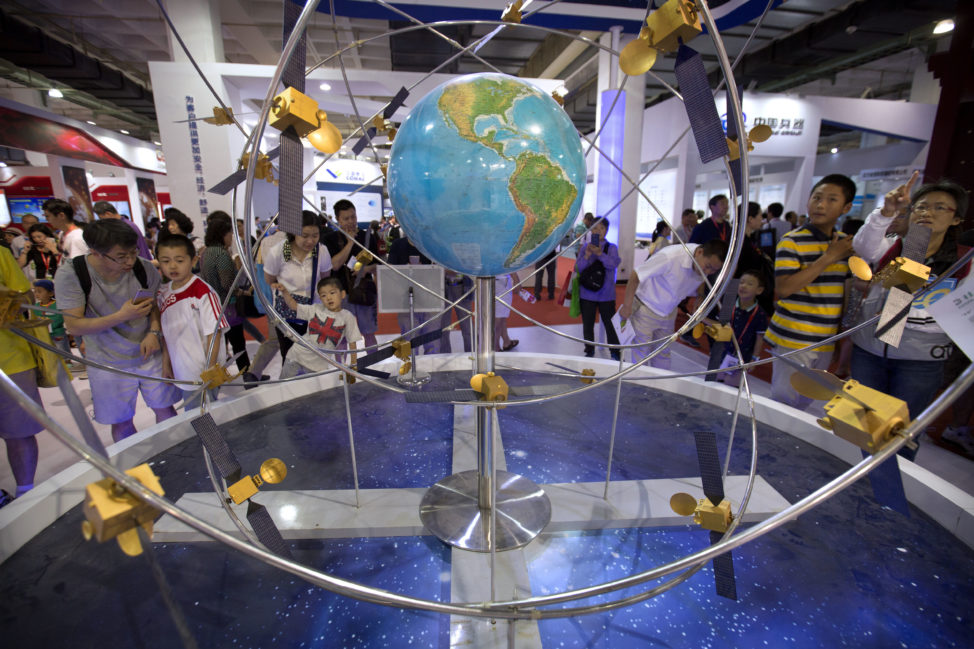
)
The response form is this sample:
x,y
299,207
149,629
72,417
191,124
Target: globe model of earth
x,y
486,174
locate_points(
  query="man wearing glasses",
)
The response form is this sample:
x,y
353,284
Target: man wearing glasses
x,y
120,322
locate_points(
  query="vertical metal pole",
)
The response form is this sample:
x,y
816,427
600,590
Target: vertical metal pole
x,y
612,436
351,436
616,32
484,354
412,325
737,409
492,541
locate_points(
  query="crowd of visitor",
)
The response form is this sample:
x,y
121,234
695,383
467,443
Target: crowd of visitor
x,y
166,304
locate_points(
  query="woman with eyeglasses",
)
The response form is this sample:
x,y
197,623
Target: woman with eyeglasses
x,y
913,370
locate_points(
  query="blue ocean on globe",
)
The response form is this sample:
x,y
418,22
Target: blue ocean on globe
x,y
486,174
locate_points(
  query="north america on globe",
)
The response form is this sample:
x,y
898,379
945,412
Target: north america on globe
x,y
486,174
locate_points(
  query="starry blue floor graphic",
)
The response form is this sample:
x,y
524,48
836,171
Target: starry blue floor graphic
x,y
850,573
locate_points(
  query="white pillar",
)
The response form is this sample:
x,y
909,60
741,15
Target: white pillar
x,y
623,232
216,149
198,24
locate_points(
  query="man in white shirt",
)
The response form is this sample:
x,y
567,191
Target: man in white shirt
x,y
659,285
60,215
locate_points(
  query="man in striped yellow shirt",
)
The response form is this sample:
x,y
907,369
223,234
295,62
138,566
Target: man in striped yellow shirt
x,y
810,271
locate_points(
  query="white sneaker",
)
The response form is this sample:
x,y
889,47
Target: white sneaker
x,y
961,436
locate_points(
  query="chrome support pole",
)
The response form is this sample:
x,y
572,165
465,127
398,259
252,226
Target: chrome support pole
x,y
351,437
484,354
462,509
612,435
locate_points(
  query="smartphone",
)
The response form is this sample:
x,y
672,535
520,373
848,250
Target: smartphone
x,y
142,295
594,240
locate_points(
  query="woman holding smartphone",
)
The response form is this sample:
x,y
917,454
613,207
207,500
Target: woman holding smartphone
x,y
598,289
40,257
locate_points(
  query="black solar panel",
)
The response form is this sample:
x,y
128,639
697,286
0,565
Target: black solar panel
x,y
724,571
728,301
265,529
699,104
291,181
710,474
226,185
439,396
226,462
915,243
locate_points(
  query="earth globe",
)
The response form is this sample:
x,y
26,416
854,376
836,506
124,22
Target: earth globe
x,y
486,174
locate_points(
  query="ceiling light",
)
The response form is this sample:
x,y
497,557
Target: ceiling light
x,y
123,131
944,26
91,122
327,86
57,94
835,149
157,143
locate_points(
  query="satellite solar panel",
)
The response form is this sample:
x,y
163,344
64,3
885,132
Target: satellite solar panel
x,y
724,571
226,462
892,320
710,474
363,141
728,301
915,243
265,529
699,104
373,358
292,151
439,396
377,374
396,103
226,185
887,484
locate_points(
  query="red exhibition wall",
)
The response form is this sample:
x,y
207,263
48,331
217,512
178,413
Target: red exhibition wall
x,y
23,131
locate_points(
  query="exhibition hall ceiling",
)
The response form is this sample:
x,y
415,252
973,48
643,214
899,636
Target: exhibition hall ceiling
x,y
97,52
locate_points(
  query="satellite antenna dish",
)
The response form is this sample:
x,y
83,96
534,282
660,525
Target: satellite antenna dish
x,y
326,138
860,268
760,133
638,56
819,385
683,503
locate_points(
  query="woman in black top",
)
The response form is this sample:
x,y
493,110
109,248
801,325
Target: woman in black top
x,y
218,270
40,253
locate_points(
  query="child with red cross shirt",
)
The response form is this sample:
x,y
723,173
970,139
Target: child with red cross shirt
x,y
328,325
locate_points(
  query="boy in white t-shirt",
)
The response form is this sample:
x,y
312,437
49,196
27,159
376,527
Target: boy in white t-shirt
x,y
328,325
190,311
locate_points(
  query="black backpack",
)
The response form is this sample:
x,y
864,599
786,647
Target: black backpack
x,y
84,277
593,277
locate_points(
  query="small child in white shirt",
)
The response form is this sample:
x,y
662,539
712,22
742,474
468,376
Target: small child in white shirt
x,y
190,317
328,325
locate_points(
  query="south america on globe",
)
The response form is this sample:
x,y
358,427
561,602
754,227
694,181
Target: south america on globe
x,y
486,174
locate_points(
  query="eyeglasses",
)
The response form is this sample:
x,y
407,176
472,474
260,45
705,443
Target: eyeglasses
x,y
125,257
939,209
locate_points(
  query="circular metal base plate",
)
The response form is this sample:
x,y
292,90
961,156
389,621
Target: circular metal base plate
x,y
450,511
412,379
